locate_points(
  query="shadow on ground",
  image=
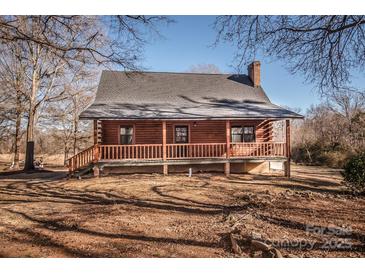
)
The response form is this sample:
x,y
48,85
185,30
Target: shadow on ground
x,y
46,215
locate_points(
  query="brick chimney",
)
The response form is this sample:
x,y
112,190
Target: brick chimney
x,y
254,73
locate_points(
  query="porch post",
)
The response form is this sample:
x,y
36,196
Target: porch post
x,y
287,143
96,169
164,154
227,166
95,132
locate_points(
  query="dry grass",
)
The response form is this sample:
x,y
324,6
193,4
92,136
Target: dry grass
x,y
48,160
45,215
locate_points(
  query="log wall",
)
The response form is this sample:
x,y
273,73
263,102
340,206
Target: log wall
x,y
150,132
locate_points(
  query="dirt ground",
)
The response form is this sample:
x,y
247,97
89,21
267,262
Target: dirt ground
x,y
45,215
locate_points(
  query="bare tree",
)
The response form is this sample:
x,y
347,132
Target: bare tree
x,y
204,68
50,46
12,73
114,40
324,48
332,131
348,106
63,116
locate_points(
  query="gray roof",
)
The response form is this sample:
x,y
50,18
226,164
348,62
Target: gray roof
x,y
162,95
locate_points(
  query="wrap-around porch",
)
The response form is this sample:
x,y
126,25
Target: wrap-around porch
x,y
143,143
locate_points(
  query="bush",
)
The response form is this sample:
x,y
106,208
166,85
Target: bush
x,y
311,154
354,173
319,154
336,159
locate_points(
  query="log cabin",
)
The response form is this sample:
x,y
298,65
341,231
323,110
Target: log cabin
x,y
178,122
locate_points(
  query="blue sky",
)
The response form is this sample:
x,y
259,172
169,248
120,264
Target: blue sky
x,y
187,42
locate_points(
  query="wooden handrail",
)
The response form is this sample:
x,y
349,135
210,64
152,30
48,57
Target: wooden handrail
x,y
131,152
202,150
258,149
82,159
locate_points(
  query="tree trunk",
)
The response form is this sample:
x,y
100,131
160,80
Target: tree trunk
x,y
76,128
17,142
309,154
65,154
29,154
17,135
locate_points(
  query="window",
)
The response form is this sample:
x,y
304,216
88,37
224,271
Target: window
x,y
126,135
236,133
242,134
249,134
181,134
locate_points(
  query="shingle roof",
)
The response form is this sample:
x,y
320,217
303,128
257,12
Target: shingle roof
x,y
161,95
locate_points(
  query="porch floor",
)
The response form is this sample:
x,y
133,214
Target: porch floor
x,y
188,161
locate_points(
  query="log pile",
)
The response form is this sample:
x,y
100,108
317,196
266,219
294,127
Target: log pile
x,y
252,246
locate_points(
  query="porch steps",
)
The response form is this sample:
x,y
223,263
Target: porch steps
x,y
81,171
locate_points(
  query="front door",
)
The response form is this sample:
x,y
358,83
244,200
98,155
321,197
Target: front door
x,y
181,137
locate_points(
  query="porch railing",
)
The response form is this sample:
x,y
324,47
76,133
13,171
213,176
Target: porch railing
x,y
130,152
205,150
175,151
265,149
186,151
83,158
